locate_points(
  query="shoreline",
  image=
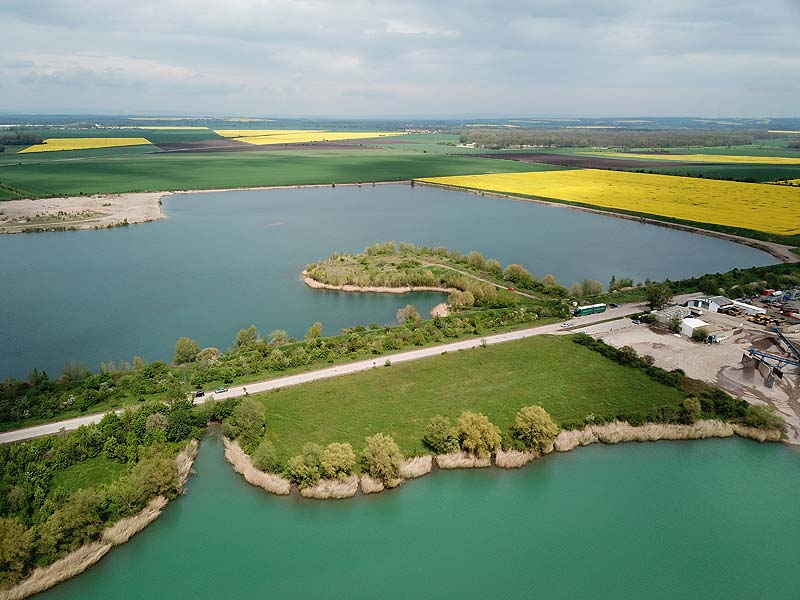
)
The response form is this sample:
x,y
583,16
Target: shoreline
x,y
78,561
318,285
615,432
782,252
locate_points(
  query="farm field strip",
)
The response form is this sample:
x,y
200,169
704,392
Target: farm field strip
x,y
265,137
708,158
767,208
60,144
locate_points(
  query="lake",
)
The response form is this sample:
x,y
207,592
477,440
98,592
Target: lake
x,y
707,519
224,260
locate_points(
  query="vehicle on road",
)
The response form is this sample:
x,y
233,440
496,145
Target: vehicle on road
x,y
613,305
199,394
567,324
582,311
221,390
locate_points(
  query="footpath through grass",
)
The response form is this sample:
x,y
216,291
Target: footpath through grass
x,y
568,380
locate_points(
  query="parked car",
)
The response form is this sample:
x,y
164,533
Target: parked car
x,y
613,305
199,394
221,390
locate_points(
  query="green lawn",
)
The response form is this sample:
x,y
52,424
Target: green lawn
x,y
569,380
91,472
166,171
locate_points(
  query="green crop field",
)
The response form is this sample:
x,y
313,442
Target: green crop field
x,y
760,173
173,171
569,380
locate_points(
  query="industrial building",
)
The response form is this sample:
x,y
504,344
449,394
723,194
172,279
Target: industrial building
x,y
725,305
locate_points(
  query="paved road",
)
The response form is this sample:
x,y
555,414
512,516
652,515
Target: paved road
x,y
354,367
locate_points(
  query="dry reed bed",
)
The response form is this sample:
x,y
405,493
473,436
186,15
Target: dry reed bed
x,y
242,464
416,467
569,439
318,285
332,488
120,532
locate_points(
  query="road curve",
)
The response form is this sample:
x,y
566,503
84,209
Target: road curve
x,y
345,369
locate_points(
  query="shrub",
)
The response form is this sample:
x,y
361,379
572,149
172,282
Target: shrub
x,y
477,434
700,334
383,459
246,423
534,427
15,550
338,460
692,410
519,275
186,350
302,474
763,416
408,314
265,457
440,436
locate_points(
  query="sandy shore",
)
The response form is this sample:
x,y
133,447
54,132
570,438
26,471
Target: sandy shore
x,y
80,212
78,561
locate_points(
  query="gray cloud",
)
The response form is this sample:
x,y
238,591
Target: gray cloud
x,y
417,57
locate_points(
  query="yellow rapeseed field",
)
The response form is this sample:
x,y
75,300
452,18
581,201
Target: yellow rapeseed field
x,y
241,133
57,144
706,158
760,207
264,137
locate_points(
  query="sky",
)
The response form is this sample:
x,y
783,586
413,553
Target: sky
x,y
409,58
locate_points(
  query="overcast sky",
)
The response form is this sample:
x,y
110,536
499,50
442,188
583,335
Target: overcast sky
x,y
402,57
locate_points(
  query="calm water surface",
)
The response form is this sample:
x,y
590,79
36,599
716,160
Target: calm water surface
x,y
707,520
222,261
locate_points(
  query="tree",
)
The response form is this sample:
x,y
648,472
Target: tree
x,y
314,333
493,266
459,299
519,275
302,474
383,459
476,261
576,289
265,457
209,355
278,337
338,460
534,427
592,287
441,436
549,280
246,337
658,295
16,543
408,314
180,422
477,434
186,350
692,409
246,423
156,423
700,334
71,526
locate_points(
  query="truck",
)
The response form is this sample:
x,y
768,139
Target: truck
x,y
592,309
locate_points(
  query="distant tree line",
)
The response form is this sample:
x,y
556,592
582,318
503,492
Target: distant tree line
x,y
618,138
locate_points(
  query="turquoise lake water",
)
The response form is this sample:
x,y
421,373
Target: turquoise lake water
x,y
712,519
224,260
